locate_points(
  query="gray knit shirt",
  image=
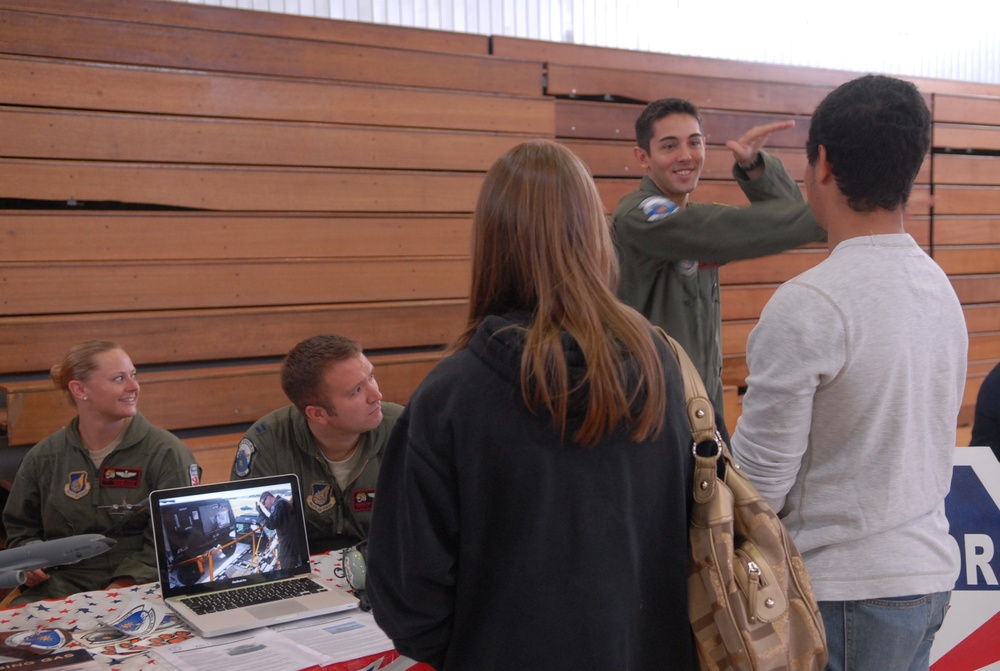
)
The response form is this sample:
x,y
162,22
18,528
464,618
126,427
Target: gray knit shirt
x,y
857,368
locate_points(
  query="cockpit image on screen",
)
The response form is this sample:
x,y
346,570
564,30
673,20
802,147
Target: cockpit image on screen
x,y
207,538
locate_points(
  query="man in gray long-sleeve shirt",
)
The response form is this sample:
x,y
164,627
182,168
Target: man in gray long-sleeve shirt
x,y
857,369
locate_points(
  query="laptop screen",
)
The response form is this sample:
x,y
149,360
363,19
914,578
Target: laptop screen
x,y
221,535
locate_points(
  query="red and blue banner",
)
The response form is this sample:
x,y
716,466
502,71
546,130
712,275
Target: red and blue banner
x,y
969,640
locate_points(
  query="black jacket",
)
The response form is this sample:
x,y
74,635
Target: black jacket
x,y
495,546
284,519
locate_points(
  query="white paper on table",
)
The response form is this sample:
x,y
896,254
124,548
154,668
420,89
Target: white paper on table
x,y
257,648
340,636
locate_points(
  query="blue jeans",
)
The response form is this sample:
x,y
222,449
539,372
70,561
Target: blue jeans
x,y
892,634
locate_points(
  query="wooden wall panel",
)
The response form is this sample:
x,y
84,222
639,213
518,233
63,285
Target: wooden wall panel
x,y
966,227
118,88
193,397
140,43
980,318
264,23
967,170
967,137
972,289
959,200
729,94
91,136
967,230
235,188
602,121
968,109
31,288
628,60
319,176
35,342
968,260
92,236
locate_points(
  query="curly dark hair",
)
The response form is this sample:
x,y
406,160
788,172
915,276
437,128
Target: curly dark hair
x,y
876,131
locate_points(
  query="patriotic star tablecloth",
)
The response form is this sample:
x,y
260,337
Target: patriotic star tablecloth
x,y
121,628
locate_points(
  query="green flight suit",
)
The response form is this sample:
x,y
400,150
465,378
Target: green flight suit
x,y
280,442
58,492
669,259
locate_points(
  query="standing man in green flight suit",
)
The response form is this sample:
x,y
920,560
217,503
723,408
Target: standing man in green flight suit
x,y
669,249
331,436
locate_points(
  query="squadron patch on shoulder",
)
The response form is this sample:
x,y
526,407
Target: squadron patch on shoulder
x,y
322,498
78,486
244,457
657,207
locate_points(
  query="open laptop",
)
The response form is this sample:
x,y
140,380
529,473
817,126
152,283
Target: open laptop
x,y
211,549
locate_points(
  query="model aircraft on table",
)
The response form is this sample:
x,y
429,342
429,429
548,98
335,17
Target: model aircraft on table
x,y
15,563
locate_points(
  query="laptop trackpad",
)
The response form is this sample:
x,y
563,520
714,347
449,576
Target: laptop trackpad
x,y
275,609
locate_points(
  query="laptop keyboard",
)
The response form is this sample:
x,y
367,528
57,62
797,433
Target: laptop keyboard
x,y
252,595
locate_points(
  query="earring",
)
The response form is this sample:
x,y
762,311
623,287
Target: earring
x,y
86,398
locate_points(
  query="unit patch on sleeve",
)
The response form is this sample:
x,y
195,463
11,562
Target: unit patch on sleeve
x,y
363,500
244,457
129,478
657,207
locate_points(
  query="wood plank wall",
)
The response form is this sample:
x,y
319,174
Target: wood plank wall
x,y
283,177
596,86
966,226
209,186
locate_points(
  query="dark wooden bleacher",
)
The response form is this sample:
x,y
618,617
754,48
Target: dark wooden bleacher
x,y
209,186
235,191
192,396
602,91
966,230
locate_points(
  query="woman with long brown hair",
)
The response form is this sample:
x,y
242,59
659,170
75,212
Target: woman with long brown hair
x,y
94,475
532,508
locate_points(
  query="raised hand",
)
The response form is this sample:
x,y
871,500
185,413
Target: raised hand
x,y
745,149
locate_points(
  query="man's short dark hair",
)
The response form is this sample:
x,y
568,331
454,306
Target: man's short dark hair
x,y
876,131
305,366
655,111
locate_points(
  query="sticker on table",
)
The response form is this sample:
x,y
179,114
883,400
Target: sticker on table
x,y
139,617
37,640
